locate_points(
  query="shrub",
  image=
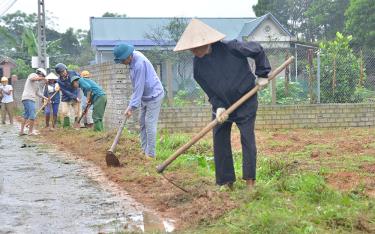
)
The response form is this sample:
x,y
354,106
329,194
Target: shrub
x,y
340,70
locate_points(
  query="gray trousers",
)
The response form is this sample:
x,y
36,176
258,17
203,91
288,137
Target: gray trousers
x,y
7,108
149,115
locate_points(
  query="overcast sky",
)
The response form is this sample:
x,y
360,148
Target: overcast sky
x,y
76,13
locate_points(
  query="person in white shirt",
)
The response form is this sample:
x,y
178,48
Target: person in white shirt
x,y
30,92
7,100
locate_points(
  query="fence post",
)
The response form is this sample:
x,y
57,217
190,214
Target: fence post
x,y
273,91
169,82
318,77
296,62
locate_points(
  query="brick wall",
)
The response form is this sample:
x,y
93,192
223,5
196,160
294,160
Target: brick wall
x,y
17,92
185,119
312,116
273,117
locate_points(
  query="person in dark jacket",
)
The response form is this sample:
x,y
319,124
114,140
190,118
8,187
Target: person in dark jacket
x,y
70,100
222,70
52,92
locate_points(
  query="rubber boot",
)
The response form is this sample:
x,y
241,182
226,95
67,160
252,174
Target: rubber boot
x,y
66,123
47,121
98,126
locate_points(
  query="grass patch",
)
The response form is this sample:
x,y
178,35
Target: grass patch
x,y
287,200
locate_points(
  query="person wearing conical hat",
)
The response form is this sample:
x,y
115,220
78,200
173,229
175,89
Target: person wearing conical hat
x,y
222,70
52,92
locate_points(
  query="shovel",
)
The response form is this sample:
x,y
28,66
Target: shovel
x,y
76,124
45,104
213,123
110,158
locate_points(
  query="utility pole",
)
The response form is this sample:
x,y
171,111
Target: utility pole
x,y
42,46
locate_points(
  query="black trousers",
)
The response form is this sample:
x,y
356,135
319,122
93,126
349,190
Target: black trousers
x,y
223,151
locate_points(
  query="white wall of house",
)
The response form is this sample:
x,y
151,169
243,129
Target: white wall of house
x,y
269,31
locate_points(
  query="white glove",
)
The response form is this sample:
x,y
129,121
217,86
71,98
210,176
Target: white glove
x,y
262,82
220,116
57,87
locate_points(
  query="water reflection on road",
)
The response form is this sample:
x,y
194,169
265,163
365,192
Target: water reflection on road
x,y
42,191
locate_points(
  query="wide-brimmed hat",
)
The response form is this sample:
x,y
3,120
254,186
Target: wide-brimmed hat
x,y
51,76
122,52
197,34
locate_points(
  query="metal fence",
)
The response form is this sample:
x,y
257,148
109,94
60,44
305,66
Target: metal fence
x,y
316,76
322,76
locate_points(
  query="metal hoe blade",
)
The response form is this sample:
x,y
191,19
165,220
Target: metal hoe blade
x,y
112,160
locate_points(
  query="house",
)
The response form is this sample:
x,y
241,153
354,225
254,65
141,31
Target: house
x,y
106,32
6,66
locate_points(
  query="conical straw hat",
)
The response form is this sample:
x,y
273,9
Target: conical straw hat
x,y
197,34
51,76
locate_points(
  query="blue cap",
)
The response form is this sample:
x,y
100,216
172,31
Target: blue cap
x,y
74,78
122,52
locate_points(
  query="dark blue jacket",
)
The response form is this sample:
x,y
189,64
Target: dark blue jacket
x,y
225,74
68,92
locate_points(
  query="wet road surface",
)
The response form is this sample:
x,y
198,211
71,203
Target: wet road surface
x,y
44,191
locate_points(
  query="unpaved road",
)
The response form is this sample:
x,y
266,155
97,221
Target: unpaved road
x,y
42,191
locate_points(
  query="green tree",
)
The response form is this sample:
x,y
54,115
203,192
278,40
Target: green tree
x,y
18,40
290,13
277,8
18,36
340,70
16,22
22,69
29,42
69,42
327,17
86,52
360,22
